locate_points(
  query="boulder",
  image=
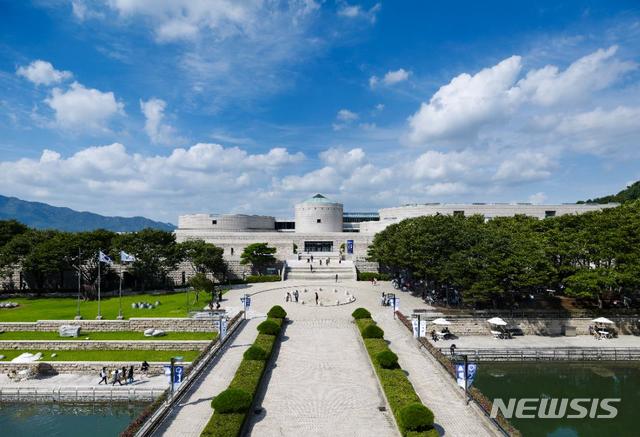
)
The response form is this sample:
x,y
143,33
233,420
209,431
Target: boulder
x,y
69,331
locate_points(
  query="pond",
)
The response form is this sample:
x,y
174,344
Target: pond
x,y
66,420
597,380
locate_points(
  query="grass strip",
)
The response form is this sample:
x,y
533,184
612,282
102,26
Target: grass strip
x,y
177,304
114,335
396,386
104,355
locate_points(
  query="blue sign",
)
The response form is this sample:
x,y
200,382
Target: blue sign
x,y
178,371
223,327
472,369
246,301
349,246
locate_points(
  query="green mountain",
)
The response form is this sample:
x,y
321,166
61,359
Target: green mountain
x,y
43,216
632,192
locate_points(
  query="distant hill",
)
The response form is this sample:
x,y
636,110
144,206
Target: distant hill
x,y
43,216
632,192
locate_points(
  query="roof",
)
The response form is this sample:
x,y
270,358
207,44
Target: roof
x,y
318,198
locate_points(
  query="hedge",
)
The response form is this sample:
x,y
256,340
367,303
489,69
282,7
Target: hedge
x,y
372,331
361,313
397,388
232,400
277,312
255,353
251,279
368,276
269,327
387,359
246,380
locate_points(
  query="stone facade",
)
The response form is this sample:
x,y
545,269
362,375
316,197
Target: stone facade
x,y
66,345
133,324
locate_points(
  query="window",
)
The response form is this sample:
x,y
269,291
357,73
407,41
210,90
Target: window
x,y
549,214
231,250
461,213
184,278
214,222
318,221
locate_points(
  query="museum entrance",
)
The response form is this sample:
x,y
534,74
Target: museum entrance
x,y
318,246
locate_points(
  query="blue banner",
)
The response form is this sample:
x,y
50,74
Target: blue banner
x,y
349,246
472,369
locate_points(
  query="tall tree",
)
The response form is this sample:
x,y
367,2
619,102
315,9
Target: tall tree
x,y
258,256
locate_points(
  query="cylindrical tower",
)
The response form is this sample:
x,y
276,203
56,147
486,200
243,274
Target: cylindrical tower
x,y
319,214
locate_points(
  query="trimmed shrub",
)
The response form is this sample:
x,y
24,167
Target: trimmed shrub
x,y
277,312
361,313
416,417
368,276
255,353
387,360
372,331
269,327
262,278
232,400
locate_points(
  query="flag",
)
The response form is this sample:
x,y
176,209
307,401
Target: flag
x,y
126,258
102,257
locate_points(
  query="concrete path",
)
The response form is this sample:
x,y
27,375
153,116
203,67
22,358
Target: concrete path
x,y
194,411
434,386
323,384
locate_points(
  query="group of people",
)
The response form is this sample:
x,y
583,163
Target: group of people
x,y
386,300
295,296
445,331
120,375
217,298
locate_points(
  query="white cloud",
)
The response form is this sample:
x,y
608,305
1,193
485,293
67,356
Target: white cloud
x,y
390,78
83,108
525,166
462,106
538,198
439,165
111,180
42,73
471,103
324,179
446,189
601,131
596,71
343,160
159,132
344,118
357,11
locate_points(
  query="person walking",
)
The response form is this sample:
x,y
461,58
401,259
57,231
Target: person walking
x,y
130,375
452,348
296,294
123,375
316,298
103,376
336,277
116,377
320,261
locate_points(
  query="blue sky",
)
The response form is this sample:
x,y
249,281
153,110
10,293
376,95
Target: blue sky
x,y
158,107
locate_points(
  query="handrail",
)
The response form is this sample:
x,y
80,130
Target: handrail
x,y
551,354
157,418
20,394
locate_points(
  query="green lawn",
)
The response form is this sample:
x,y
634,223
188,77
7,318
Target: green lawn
x,y
64,308
121,335
106,355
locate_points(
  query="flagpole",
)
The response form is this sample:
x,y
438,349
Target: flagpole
x,y
78,316
120,291
99,262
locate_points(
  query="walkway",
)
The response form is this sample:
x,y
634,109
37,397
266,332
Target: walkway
x,y
192,414
323,384
434,386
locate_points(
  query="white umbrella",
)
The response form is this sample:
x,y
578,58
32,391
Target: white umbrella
x,y
441,321
497,321
602,320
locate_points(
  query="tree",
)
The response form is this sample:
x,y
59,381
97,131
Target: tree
x,y
200,282
204,257
258,256
9,229
156,255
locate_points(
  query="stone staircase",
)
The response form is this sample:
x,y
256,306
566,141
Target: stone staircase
x,y
300,270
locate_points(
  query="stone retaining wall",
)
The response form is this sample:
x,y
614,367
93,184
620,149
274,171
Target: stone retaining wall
x,y
538,326
88,367
133,324
65,345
